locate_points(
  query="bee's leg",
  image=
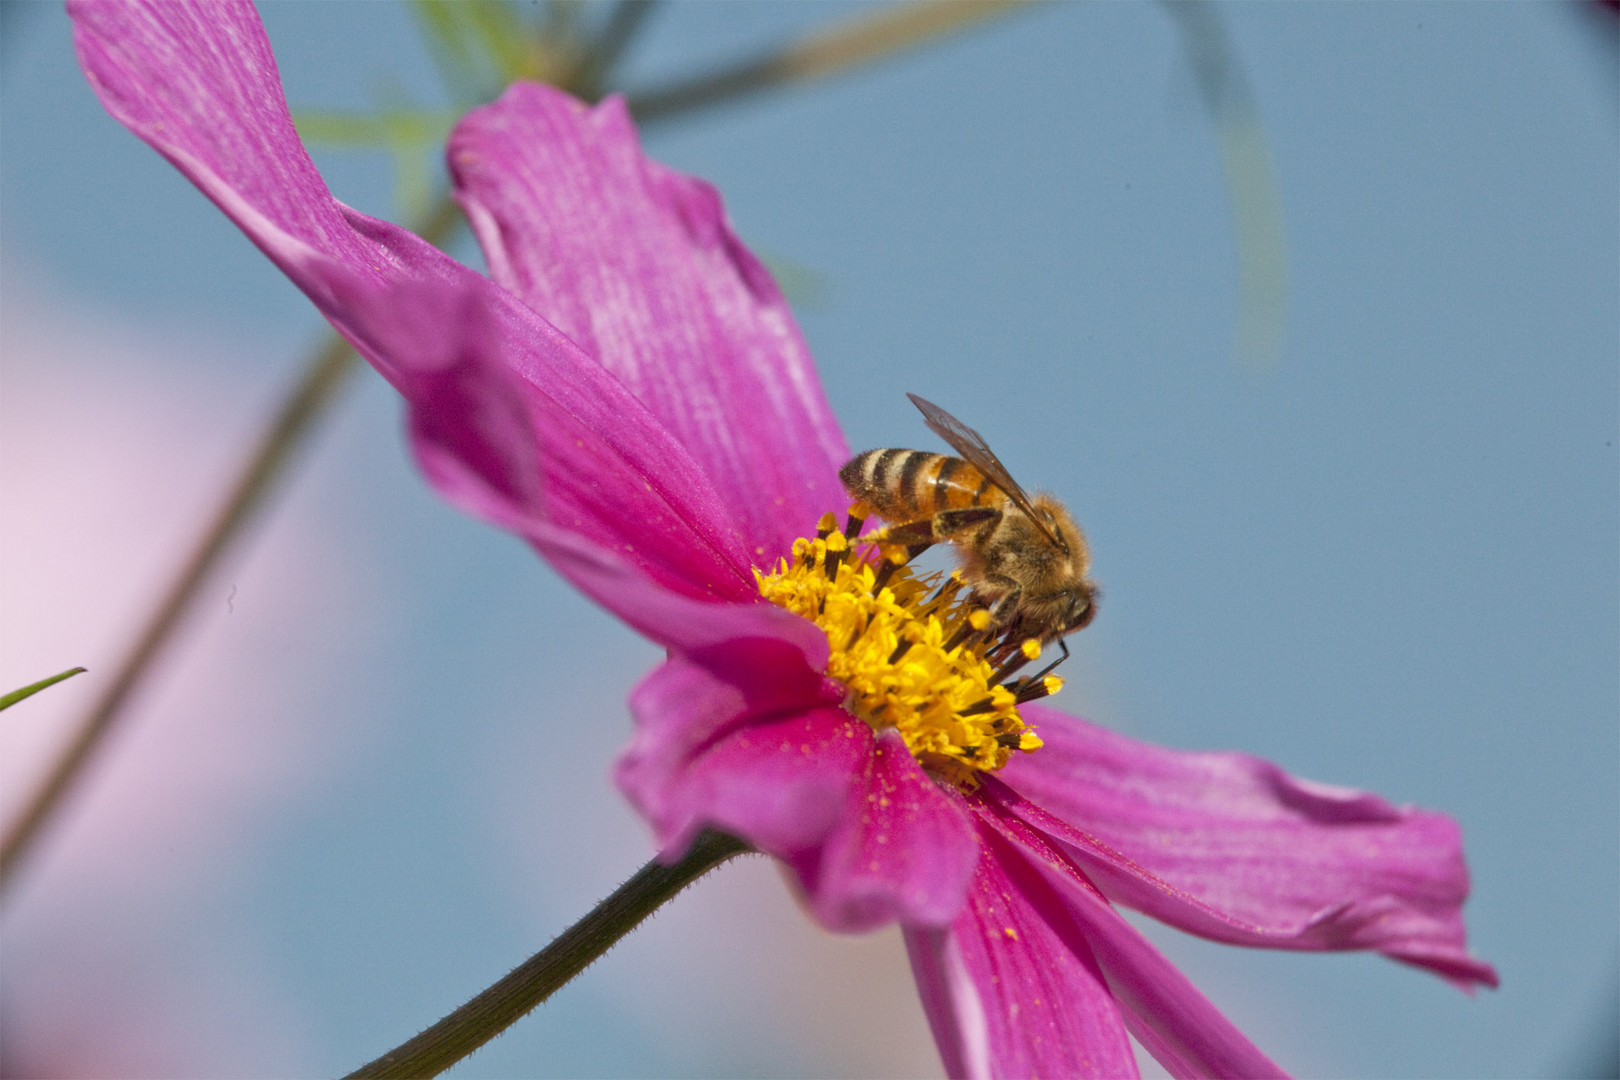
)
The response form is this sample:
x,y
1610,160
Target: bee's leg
x,y
1008,651
956,524
899,545
983,622
908,533
1007,602
918,536
1007,592
915,536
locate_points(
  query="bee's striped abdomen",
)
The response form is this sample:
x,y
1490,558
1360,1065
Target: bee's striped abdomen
x,y
949,483
905,485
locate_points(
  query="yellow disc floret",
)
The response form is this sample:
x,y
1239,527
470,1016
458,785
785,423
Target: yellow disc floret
x,y
911,651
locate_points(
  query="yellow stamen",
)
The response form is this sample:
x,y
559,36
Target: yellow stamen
x,y
889,649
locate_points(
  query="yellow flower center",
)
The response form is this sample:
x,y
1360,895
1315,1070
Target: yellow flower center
x,y
914,651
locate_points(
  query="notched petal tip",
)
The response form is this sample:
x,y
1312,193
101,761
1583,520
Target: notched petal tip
x,y
1176,1023
1232,848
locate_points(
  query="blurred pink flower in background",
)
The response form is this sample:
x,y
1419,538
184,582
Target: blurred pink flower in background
x,y
635,400
123,956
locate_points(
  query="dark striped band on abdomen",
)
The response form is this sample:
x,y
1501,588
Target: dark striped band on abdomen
x,y
909,468
948,467
878,470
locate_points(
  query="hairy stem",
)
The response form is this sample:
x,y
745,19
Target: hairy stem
x,y
537,978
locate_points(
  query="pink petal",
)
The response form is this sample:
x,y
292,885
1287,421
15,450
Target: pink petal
x,y
1012,989
700,630
510,418
198,83
511,422
1178,1025
750,742
639,266
747,736
1232,848
904,849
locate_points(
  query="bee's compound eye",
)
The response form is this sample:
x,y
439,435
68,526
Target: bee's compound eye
x,y
1085,611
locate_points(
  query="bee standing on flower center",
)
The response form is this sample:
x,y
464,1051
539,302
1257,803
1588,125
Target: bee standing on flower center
x,y
1024,558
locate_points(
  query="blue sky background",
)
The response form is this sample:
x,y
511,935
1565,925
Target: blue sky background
x,y
1391,560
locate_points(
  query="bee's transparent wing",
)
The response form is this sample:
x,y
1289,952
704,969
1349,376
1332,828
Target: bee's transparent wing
x,y
971,445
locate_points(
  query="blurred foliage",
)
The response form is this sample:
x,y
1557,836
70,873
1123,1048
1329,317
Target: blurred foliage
x,y
482,45
479,48
411,136
1251,183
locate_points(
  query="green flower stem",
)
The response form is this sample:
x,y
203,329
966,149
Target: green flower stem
x,y
537,978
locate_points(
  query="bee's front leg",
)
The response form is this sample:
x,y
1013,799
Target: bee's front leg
x,y
1001,594
915,537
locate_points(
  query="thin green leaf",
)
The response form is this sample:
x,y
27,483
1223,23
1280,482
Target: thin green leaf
x,y
29,691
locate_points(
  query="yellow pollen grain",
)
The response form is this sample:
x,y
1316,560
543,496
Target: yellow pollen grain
x,y
888,648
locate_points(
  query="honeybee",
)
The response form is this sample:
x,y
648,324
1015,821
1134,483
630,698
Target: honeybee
x,y
1024,558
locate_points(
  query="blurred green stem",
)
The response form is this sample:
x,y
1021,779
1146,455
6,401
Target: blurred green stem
x,y
1251,183
537,978
627,18
827,52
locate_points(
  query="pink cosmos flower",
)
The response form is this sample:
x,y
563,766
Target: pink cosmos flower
x,y
631,395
